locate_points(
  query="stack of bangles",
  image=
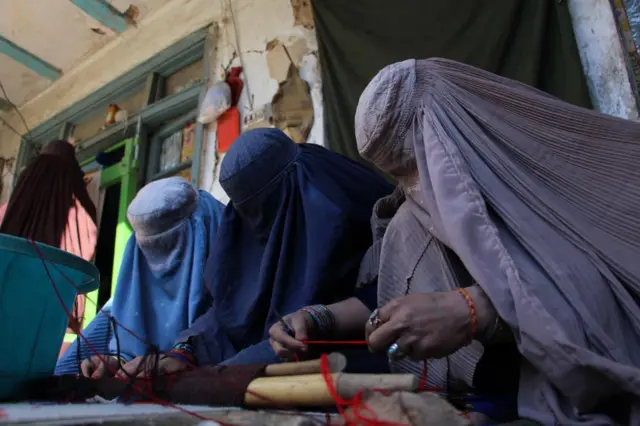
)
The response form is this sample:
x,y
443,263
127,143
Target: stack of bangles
x,y
322,317
184,352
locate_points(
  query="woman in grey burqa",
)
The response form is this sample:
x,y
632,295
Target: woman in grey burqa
x,y
515,224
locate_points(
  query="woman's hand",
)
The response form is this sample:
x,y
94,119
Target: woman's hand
x,y
98,367
284,344
347,318
145,366
424,325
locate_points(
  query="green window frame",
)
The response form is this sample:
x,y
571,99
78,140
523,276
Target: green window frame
x,y
158,110
141,134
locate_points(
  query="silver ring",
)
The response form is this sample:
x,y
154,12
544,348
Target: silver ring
x,y
374,320
394,352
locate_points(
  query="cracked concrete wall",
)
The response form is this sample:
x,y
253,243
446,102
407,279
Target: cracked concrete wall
x,y
169,24
249,27
260,25
256,22
603,58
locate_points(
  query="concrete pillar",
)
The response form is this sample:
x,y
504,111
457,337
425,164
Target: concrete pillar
x,y
603,58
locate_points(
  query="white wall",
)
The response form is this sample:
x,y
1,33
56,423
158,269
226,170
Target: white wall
x,y
257,22
58,32
260,21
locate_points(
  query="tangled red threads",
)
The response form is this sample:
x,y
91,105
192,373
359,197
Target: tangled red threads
x,y
137,387
356,404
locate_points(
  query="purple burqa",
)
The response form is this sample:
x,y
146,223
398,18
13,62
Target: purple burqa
x,y
540,200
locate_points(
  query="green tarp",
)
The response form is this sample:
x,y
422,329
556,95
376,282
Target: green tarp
x,y
528,40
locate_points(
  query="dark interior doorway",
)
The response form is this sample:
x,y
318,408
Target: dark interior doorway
x,y
106,242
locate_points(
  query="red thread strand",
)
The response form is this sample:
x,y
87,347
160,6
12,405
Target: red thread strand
x,y
423,376
137,387
356,404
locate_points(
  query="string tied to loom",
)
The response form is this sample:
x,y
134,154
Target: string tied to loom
x,y
356,404
135,385
144,386
81,336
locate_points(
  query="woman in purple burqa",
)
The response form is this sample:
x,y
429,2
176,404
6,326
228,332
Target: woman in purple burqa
x,y
515,223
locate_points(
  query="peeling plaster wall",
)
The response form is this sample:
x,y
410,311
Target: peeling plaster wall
x,y
168,25
603,58
257,23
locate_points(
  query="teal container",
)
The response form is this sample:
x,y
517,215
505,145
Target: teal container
x,y
32,320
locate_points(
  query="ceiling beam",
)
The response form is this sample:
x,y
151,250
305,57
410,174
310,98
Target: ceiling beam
x,y
103,12
29,60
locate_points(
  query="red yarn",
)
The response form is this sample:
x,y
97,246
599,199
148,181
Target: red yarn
x,y
423,376
138,388
356,404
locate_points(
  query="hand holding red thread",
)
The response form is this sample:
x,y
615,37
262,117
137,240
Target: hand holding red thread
x,y
287,336
145,389
423,325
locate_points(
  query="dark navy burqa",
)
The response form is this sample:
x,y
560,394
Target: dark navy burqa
x,y
294,234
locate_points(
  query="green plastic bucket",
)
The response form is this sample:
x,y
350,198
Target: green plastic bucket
x,y
33,322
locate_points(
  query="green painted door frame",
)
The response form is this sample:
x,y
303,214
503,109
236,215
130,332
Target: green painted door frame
x,y
129,179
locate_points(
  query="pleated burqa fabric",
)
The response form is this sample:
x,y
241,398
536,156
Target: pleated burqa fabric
x,y
540,200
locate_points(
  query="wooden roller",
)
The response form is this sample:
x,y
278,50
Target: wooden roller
x,y
310,390
337,364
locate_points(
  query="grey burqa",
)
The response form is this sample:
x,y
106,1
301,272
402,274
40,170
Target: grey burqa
x,y
540,200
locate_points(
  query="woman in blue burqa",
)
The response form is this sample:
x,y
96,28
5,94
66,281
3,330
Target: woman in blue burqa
x,y
160,289
293,234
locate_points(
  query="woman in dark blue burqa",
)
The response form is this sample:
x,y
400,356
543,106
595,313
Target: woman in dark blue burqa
x,y
294,234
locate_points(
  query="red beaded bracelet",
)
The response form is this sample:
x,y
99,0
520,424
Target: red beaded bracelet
x,y
472,311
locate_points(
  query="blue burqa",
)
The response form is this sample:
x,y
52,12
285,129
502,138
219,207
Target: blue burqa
x,y
160,289
294,234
